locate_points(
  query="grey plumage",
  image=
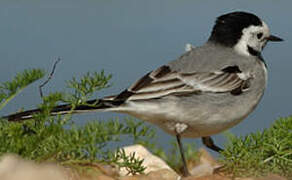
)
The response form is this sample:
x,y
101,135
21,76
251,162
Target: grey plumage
x,y
206,109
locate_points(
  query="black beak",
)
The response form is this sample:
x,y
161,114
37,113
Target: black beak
x,y
274,38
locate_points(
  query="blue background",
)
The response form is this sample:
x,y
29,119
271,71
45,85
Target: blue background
x,y
129,38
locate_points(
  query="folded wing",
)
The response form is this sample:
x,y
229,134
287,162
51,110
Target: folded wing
x,y
163,82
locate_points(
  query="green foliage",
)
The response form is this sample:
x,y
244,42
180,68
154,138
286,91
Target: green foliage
x,y
46,138
50,140
260,153
87,85
132,164
9,89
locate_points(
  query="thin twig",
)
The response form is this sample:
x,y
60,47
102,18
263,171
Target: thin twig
x,y
49,77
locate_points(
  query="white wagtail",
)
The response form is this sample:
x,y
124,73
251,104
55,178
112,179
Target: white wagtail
x,y
204,92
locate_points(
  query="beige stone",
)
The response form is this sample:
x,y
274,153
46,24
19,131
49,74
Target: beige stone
x,y
209,177
206,166
129,178
155,175
151,162
102,177
245,178
205,157
163,174
13,168
108,170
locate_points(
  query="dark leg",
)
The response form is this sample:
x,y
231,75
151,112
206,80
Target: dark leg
x,y
185,170
208,141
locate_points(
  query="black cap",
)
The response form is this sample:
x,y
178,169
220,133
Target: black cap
x,y
228,27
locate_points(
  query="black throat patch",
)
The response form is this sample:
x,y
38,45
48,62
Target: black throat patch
x,y
253,52
256,53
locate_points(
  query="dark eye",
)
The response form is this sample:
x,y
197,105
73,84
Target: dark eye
x,y
259,35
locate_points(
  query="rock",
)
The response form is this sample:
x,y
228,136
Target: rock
x,y
151,162
221,177
163,174
129,178
202,170
14,168
102,177
245,178
272,177
108,170
206,158
206,166
210,177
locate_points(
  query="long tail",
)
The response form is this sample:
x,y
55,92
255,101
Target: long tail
x,y
93,105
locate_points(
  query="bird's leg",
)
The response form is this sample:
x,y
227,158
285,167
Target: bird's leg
x,y
180,128
208,141
181,150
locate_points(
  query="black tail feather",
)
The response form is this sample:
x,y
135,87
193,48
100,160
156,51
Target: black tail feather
x,y
21,115
65,109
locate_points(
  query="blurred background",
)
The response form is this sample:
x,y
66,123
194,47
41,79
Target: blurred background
x,y
129,38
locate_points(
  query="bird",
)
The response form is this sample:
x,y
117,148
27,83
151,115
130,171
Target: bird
x,y
207,90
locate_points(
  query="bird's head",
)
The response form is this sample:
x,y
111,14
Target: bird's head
x,y
245,32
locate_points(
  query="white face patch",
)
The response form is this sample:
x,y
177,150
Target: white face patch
x,y
250,38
